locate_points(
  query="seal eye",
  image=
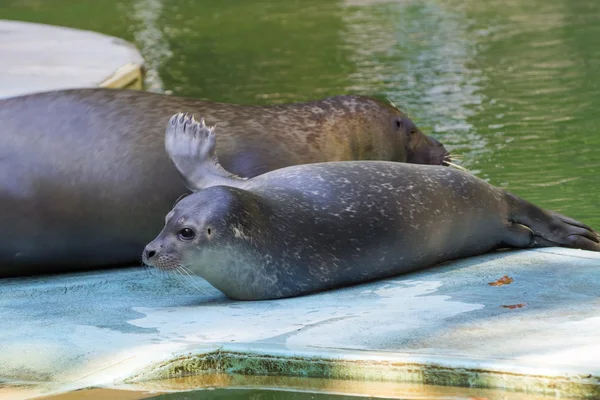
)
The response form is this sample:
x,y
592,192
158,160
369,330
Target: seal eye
x,y
186,234
208,231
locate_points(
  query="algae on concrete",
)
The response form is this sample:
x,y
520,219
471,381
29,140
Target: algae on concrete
x,y
256,364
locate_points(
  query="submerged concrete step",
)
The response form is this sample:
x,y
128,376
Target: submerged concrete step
x,y
459,324
38,57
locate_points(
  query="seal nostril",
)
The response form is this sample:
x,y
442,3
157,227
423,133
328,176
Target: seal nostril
x,y
398,122
150,253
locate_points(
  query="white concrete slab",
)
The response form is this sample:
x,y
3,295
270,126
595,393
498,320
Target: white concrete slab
x,y
446,325
37,58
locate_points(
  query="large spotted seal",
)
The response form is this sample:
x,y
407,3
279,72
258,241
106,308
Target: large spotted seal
x,y
314,227
85,181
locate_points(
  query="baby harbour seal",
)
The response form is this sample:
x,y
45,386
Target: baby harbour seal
x,y
85,181
313,227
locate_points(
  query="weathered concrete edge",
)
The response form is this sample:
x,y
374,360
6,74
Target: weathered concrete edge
x,y
372,366
129,76
563,251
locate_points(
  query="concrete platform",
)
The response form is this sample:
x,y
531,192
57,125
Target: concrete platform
x,y
37,57
445,326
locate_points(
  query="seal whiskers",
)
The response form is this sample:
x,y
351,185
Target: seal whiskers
x,y
459,167
448,161
189,279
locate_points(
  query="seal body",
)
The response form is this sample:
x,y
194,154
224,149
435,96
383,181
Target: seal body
x,y
85,180
308,228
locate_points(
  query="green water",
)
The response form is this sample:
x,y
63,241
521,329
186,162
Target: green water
x,y
513,86
254,394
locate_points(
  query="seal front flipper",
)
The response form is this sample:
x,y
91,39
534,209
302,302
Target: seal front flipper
x,y
550,228
191,147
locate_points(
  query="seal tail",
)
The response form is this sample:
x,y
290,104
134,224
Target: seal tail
x,y
548,228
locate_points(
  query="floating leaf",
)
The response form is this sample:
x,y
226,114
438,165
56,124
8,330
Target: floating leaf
x,y
505,280
513,306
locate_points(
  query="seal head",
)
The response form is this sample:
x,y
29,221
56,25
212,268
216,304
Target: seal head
x,y
374,130
209,234
418,147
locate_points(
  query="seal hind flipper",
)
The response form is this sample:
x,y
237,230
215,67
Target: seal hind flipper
x,y
191,148
550,228
573,222
567,232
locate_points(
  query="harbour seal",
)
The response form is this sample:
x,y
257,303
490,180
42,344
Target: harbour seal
x,y
313,227
85,181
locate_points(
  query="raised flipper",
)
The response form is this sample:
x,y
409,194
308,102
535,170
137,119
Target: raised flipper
x,y
191,147
550,228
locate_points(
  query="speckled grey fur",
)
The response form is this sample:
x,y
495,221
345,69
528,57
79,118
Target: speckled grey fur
x,y
313,227
85,181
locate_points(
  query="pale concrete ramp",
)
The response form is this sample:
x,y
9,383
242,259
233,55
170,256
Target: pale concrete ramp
x,y
37,58
447,325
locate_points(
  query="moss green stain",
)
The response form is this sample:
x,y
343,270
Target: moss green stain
x,y
315,367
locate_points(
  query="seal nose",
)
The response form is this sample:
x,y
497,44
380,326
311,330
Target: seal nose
x,y
438,153
149,252
435,142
